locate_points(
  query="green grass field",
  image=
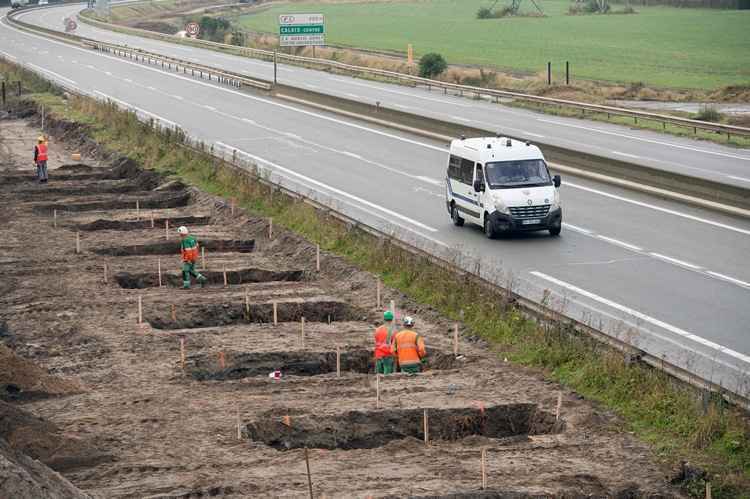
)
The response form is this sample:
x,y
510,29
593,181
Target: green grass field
x,y
659,46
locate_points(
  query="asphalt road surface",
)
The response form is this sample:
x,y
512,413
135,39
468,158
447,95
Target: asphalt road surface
x,y
669,278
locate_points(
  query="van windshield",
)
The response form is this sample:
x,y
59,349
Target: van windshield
x,y
521,173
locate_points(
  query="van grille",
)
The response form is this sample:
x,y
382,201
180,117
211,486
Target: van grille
x,y
537,211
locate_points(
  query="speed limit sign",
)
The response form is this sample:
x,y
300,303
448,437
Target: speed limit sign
x,y
71,25
192,29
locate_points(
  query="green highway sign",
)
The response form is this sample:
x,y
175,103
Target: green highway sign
x,y
296,30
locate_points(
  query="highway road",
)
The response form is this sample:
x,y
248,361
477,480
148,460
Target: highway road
x,y
702,159
670,278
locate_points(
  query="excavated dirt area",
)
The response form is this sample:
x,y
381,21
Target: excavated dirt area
x,y
174,399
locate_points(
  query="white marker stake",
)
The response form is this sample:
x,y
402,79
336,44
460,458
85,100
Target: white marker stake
x,y
247,304
239,424
393,309
302,332
182,353
270,228
166,229
226,283
377,391
317,258
231,206
140,309
275,314
54,218
152,220
426,428
377,296
159,267
559,406
455,340
484,469
338,361
105,273
203,258
138,210
78,242
708,490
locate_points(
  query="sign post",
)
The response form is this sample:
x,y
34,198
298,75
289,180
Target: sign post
x,y
301,30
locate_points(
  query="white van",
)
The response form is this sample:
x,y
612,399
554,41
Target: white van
x,y
502,185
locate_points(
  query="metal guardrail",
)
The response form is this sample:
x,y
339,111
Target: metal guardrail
x,y
696,125
146,57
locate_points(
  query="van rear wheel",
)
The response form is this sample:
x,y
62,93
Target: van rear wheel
x,y
457,220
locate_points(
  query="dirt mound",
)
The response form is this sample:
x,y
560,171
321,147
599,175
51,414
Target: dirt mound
x,y
732,93
21,379
24,478
44,441
157,26
76,168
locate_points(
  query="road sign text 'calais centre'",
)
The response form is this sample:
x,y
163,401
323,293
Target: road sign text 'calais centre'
x,y
296,30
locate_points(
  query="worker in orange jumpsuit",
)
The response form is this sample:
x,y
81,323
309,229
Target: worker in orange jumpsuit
x,y
384,358
409,348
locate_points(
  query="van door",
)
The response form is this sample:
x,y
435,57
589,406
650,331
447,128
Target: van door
x,y
479,175
460,181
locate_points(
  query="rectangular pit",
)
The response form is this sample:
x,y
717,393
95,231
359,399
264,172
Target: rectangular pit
x,y
210,315
372,429
234,278
148,201
173,247
102,224
246,365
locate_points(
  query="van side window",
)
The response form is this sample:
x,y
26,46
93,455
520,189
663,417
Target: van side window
x,y
467,171
454,167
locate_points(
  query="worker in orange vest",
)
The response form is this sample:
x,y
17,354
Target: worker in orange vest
x,y
409,348
384,358
40,159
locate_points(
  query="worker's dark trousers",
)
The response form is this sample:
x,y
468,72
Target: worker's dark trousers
x,y
41,170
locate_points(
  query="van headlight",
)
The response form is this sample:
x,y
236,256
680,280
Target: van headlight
x,y
501,208
555,201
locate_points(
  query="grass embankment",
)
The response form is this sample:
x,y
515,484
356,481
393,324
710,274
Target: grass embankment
x,y
675,420
661,46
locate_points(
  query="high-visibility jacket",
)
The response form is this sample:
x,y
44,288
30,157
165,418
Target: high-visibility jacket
x,y
384,341
41,152
409,347
189,249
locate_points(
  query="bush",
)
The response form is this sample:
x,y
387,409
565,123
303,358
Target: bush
x,y
487,13
709,113
238,38
213,28
484,13
431,65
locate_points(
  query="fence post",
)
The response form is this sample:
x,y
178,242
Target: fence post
x,y
549,73
3,91
567,72
19,87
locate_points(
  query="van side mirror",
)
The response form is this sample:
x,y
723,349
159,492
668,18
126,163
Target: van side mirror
x,y
478,186
557,180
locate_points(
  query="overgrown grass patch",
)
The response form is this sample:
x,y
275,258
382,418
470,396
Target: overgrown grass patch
x,y
679,422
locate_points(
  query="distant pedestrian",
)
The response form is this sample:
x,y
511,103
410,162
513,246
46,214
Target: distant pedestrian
x,y
384,358
40,159
189,252
410,349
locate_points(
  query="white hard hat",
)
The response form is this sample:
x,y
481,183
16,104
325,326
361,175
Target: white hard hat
x,y
182,230
408,321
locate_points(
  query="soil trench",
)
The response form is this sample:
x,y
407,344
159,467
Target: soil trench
x,y
148,201
245,365
103,224
372,429
172,246
208,315
234,278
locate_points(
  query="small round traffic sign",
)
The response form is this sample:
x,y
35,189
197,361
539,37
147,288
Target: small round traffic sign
x,y
192,29
71,26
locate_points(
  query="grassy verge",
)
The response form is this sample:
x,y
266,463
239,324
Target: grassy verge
x,y
678,422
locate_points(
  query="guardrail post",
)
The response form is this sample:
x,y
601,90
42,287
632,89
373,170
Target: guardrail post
x,y
567,72
274,67
3,91
19,87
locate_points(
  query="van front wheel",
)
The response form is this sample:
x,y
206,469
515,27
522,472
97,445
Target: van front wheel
x,y
489,230
457,220
555,231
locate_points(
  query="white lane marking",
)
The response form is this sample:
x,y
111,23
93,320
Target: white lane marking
x,y
729,279
429,180
9,56
177,97
407,94
626,154
47,71
402,106
331,188
533,134
308,85
347,153
353,96
741,179
108,73
577,229
661,209
131,106
642,316
210,108
681,263
243,95
617,242
461,118
127,80
652,141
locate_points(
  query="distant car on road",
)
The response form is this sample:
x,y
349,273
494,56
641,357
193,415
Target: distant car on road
x,y
502,185
15,4
43,2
